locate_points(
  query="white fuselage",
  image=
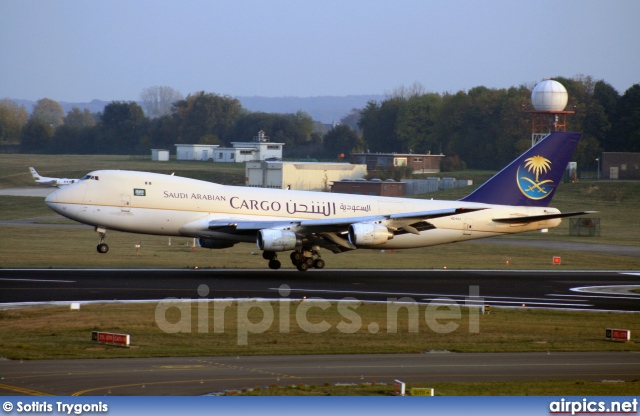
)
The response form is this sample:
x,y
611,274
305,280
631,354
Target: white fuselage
x,y
57,182
148,203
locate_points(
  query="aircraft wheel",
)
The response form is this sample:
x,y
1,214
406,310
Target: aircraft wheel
x,y
303,267
318,264
274,264
309,261
296,257
268,255
102,248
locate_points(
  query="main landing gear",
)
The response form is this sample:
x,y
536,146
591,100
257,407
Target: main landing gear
x,y
274,263
102,246
302,259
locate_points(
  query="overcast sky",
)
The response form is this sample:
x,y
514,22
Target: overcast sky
x,y
79,50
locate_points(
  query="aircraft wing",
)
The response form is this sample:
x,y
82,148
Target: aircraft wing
x,y
329,233
534,218
338,224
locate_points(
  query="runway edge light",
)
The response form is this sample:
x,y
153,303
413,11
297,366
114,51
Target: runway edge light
x,y
557,260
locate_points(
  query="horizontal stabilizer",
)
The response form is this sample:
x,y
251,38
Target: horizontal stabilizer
x,y
534,218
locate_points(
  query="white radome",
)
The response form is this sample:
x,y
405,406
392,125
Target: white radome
x,y
549,95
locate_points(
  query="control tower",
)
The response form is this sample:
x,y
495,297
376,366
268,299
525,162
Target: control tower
x,y
549,99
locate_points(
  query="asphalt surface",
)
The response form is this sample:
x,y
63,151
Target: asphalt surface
x,y
198,376
600,290
40,191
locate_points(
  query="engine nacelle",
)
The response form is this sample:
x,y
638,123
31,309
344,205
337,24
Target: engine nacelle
x,y
213,243
365,234
277,240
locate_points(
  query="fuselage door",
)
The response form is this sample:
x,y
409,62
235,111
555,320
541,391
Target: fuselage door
x,y
466,228
125,202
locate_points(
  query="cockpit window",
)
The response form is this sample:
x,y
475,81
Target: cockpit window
x,y
95,178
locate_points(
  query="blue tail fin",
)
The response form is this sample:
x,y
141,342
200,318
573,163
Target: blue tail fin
x,y
531,179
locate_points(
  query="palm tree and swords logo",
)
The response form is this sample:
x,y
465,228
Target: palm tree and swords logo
x,y
529,181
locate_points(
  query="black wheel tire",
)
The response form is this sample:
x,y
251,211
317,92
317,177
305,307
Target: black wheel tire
x,y
303,267
274,264
268,255
296,257
102,248
318,264
309,261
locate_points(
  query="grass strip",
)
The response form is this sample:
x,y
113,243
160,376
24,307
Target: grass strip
x,y
59,333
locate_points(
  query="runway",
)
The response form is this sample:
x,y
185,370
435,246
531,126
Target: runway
x,y
205,375
574,290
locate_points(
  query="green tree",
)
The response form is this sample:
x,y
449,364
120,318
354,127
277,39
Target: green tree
x,y
294,130
586,152
608,98
341,139
416,124
625,136
36,137
164,131
596,123
78,119
203,114
378,125
122,126
12,118
49,112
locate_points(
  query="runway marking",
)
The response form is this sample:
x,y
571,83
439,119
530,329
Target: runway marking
x,y
432,365
24,391
36,280
142,385
615,290
597,297
464,297
516,302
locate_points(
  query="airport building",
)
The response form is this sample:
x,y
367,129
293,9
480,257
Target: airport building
x,y
421,163
620,165
373,187
159,155
306,176
258,149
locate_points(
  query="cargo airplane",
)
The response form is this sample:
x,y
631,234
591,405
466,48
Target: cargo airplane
x,y
513,201
57,182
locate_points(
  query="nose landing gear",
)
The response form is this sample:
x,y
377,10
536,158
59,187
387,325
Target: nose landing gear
x,y
102,246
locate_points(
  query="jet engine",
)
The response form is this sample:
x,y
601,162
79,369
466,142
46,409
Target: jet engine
x,y
213,243
277,240
366,234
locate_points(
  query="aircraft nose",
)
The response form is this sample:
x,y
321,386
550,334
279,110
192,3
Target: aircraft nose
x,y
51,198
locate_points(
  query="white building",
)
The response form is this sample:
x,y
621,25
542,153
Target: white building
x,y
306,176
202,152
160,155
258,149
